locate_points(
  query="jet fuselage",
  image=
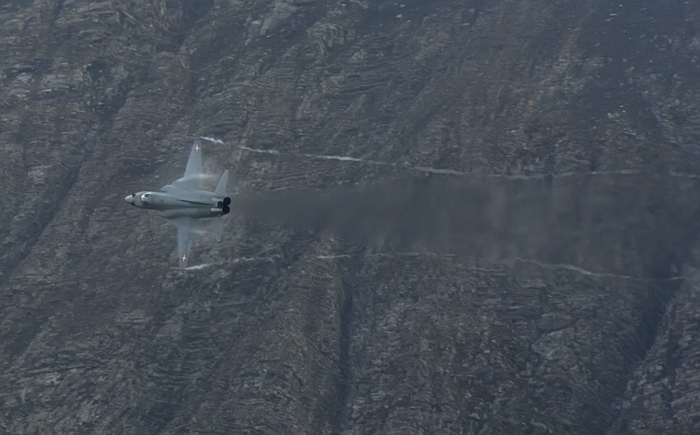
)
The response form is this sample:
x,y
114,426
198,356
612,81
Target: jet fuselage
x,y
177,202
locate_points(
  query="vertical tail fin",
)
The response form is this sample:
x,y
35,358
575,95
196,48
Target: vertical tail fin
x,y
221,188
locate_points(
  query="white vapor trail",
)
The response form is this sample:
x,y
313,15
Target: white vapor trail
x,y
211,139
426,169
195,267
586,272
199,266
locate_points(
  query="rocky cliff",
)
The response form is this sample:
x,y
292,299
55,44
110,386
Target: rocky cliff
x,y
449,217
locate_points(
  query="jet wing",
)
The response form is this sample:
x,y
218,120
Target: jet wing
x,y
185,228
193,172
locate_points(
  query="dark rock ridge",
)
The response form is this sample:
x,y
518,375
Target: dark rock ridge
x,y
452,217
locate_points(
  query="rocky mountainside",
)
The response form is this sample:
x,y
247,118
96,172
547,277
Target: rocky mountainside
x,y
473,217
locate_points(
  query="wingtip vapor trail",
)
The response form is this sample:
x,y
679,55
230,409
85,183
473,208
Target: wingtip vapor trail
x,y
195,267
211,139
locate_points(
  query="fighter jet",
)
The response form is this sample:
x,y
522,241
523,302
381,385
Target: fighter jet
x,y
184,202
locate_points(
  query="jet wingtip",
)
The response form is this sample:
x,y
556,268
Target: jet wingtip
x,y
183,261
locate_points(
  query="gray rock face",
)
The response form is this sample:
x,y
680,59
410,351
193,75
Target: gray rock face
x,y
448,217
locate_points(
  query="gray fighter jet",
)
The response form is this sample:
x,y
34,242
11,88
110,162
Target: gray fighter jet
x,y
184,202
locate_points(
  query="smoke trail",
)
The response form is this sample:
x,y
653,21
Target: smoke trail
x,y
610,223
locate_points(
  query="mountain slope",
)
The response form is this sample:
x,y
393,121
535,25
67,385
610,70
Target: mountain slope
x,y
454,217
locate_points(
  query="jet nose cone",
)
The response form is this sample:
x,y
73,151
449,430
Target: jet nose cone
x,y
129,199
